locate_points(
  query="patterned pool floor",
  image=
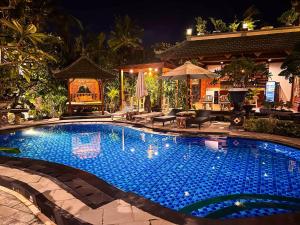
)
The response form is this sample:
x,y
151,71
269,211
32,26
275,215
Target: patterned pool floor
x,y
172,171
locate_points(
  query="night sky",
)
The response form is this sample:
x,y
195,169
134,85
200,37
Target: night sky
x,y
166,20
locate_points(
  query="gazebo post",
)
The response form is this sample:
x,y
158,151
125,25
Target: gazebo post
x,y
188,93
69,97
102,96
176,94
100,93
122,89
160,97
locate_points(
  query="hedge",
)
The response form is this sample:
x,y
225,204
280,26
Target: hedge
x,y
273,126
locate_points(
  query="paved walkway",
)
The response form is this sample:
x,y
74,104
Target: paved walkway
x,y
117,212
15,212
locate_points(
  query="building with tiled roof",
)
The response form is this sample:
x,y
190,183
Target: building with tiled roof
x,y
269,46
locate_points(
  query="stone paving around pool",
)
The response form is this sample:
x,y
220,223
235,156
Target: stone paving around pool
x,y
117,212
18,210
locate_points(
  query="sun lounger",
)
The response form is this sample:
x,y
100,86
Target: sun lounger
x,y
171,117
202,116
122,114
146,116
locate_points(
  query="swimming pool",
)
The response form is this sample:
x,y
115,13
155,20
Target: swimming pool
x,y
213,177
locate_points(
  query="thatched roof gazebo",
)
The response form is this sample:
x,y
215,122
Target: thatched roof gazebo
x,y
85,84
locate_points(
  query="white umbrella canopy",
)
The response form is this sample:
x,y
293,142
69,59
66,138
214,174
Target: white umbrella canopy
x,y
189,70
140,89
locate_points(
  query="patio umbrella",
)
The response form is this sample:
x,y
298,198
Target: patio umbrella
x,y
140,89
187,72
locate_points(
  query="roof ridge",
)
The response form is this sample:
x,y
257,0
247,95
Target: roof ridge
x,y
84,57
176,45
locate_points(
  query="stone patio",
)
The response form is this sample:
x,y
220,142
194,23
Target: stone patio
x,y
117,212
16,210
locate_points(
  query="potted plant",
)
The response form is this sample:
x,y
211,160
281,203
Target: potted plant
x,y
233,27
248,21
249,24
267,108
247,107
289,105
200,25
251,100
289,17
219,25
279,104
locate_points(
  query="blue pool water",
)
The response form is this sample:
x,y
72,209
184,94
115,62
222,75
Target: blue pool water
x,y
170,170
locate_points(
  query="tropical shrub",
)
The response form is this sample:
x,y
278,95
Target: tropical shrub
x,y
152,84
220,25
273,126
51,104
233,27
249,23
169,92
287,128
248,15
113,95
289,17
200,25
181,98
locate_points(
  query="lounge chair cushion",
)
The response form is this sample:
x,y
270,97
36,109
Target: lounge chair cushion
x,y
200,119
202,116
164,118
203,113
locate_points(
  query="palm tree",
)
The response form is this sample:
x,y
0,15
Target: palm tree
x,y
291,66
126,34
95,47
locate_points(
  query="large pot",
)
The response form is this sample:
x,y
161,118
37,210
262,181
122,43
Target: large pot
x,y
237,96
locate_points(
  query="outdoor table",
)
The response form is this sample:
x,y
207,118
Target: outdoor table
x,y
225,106
181,121
129,115
208,104
18,114
186,114
181,118
3,117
